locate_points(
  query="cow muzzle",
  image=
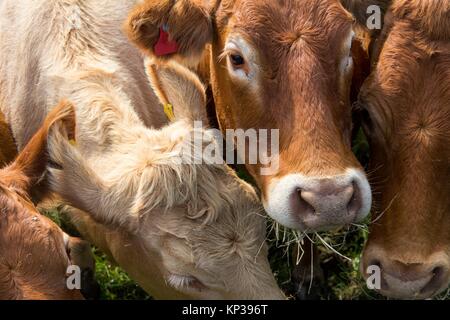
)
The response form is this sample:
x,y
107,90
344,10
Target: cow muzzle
x,y
408,279
319,203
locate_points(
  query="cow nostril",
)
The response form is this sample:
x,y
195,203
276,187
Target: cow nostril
x,y
438,270
330,199
436,281
305,207
355,203
375,262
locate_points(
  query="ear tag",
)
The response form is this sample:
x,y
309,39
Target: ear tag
x,y
73,142
164,46
168,110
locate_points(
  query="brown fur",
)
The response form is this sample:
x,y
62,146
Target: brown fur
x,y
301,90
33,257
407,100
288,61
292,48
368,38
430,17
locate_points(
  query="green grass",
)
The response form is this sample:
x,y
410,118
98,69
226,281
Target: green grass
x,y
342,277
114,282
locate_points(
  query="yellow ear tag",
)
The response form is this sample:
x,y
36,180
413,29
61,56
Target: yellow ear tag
x,y
168,110
73,142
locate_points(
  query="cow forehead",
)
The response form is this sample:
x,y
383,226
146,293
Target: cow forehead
x,y
418,90
15,204
274,28
265,20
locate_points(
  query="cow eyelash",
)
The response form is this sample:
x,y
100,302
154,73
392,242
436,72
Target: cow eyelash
x,y
369,120
184,282
225,53
233,55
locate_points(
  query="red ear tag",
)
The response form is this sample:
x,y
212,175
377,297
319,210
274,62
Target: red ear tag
x,y
164,46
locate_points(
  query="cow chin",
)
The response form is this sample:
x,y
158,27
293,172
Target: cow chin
x,y
311,204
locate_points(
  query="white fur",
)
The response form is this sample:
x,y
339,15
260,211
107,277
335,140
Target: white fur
x,y
278,205
250,79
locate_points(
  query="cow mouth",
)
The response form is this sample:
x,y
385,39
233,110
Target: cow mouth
x,y
418,288
312,227
435,283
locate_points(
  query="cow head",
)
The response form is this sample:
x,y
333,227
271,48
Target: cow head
x,y
406,103
35,253
283,65
180,229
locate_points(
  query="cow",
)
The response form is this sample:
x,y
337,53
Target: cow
x,y
35,253
180,229
406,110
283,65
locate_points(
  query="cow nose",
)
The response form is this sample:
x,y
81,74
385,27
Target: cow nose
x,y
403,280
318,203
328,204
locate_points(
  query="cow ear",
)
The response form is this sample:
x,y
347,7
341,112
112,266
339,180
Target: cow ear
x,y
171,29
32,161
177,86
74,180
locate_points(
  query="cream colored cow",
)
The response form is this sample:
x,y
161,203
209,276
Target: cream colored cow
x,y
181,231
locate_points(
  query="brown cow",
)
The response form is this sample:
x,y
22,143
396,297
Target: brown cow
x,y
283,65
34,252
406,102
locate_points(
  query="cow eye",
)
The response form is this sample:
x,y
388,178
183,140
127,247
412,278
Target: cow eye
x,y
237,60
367,121
183,283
